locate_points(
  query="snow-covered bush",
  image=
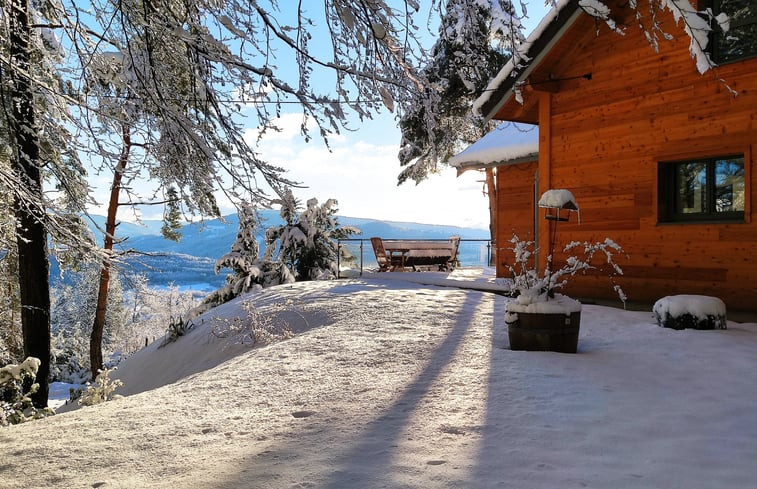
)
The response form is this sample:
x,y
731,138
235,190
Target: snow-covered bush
x,y
15,404
306,242
102,390
256,328
690,311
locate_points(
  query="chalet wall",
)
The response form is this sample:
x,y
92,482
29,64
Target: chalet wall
x,y
515,210
606,138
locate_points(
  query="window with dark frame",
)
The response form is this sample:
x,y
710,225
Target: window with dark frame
x,y
709,189
740,42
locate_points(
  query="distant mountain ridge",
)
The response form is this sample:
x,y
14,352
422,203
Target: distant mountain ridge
x,y
213,238
189,263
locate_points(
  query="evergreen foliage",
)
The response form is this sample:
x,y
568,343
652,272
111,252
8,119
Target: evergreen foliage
x,y
243,258
171,228
15,400
470,50
306,242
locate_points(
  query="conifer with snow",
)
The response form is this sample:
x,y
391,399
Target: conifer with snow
x,y
242,258
306,242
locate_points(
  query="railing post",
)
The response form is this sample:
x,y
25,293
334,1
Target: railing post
x,y
361,257
338,258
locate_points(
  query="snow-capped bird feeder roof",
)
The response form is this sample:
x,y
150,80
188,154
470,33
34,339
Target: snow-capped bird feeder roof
x,y
508,144
558,199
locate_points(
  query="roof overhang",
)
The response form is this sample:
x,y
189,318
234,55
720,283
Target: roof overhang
x,y
474,165
507,144
550,30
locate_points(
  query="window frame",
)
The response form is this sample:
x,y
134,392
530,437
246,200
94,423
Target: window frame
x,y
668,193
716,36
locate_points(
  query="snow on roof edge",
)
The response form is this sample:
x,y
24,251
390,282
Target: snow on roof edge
x,y
496,156
511,66
508,143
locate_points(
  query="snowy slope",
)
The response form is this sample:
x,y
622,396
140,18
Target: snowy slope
x,y
391,383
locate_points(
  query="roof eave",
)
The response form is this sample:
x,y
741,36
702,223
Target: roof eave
x,y
537,51
529,158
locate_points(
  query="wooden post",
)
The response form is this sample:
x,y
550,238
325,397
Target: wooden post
x,y
545,174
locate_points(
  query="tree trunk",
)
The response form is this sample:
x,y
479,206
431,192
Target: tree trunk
x,y
96,340
491,190
33,267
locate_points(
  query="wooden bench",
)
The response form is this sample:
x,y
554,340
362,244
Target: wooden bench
x,y
401,253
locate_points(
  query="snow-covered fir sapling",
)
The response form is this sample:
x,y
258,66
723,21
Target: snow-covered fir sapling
x,y
307,241
15,404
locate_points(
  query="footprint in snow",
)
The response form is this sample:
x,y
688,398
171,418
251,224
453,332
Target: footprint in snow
x,y
302,414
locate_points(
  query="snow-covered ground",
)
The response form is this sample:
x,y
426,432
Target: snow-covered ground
x,y
396,384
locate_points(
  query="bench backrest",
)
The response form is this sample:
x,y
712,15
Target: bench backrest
x,y
454,240
379,251
421,245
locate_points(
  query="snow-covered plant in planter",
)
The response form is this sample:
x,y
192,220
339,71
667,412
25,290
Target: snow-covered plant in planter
x,y
539,317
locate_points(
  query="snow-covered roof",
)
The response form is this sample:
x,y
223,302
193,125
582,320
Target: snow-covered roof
x,y
538,43
510,143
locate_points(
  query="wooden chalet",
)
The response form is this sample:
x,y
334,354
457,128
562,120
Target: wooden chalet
x,y
659,157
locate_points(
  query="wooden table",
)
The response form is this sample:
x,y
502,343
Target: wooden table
x,y
400,248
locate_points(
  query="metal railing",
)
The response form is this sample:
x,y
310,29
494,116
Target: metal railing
x,y
470,253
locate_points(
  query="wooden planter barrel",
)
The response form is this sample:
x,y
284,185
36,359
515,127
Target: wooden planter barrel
x,y
544,332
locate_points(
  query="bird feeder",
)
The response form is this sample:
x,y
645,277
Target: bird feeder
x,y
558,200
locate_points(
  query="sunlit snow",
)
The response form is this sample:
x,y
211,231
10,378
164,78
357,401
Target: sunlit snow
x,y
390,382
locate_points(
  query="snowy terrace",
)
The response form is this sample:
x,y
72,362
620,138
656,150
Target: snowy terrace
x,y
394,383
471,253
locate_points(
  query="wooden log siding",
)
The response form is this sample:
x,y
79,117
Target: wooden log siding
x,y
515,210
605,138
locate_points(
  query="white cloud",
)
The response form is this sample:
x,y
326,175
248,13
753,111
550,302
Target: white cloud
x,y
362,176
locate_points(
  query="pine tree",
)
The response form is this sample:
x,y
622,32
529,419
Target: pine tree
x,y
171,228
470,50
243,258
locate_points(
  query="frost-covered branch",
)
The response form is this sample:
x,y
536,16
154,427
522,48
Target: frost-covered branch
x,y
531,286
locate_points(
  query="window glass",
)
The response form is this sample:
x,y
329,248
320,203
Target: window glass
x,y
691,183
709,189
729,185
